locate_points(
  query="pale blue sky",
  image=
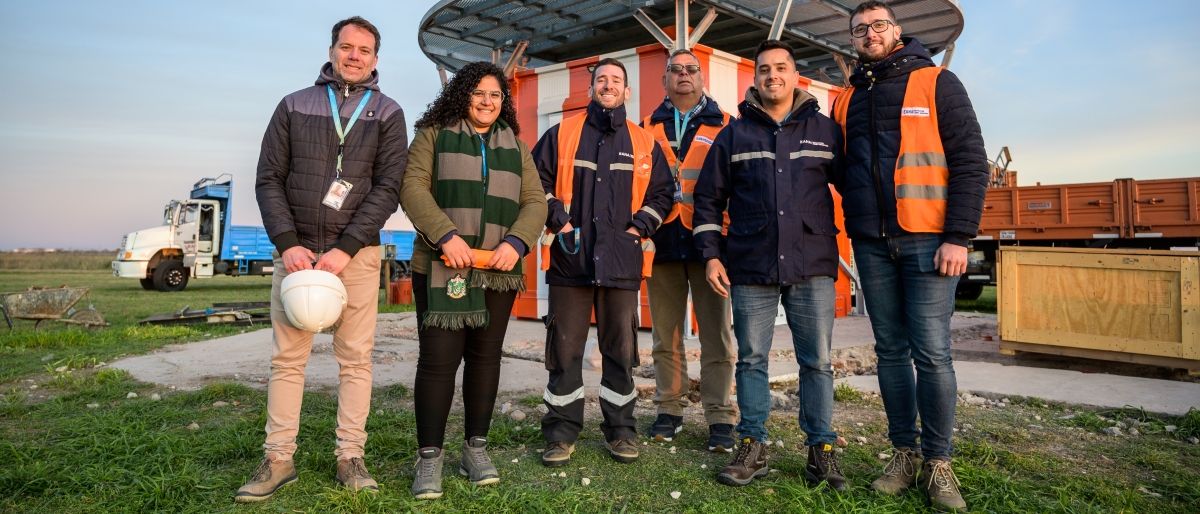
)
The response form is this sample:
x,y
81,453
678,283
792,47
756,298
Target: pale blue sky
x,y
110,109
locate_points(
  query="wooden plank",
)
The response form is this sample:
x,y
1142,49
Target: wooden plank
x,y
1013,347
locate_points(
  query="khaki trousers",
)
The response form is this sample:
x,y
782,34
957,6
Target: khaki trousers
x,y
668,288
353,340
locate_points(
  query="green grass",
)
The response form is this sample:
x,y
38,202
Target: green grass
x,y
58,260
985,303
137,455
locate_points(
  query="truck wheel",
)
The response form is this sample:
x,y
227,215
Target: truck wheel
x,y
968,291
147,283
170,275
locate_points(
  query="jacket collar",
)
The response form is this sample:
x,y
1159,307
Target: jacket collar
x,y
328,77
710,113
802,103
605,120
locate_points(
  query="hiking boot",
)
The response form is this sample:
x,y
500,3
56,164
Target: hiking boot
x,y
720,438
475,463
558,453
823,467
267,478
748,463
427,482
665,427
352,473
900,472
623,450
941,486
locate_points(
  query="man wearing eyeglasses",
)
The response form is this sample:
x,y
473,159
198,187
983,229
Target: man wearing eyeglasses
x,y
608,189
914,185
685,125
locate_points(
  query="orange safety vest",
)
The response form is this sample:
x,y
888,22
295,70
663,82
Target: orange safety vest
x,y
688,171
569,132
922,177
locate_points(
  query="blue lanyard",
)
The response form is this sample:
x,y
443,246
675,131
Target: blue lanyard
x,y
337,122
680,128
483,152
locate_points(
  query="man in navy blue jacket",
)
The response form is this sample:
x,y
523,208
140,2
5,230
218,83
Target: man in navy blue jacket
x,y
915,177
772,167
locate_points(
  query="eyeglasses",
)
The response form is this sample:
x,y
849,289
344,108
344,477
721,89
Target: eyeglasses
x,y
478,95
677,69
877,26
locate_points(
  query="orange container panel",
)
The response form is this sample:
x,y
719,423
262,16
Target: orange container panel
x,y
1070,211
1164,208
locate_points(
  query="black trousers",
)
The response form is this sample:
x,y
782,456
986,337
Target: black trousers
x,y
442,351
567,327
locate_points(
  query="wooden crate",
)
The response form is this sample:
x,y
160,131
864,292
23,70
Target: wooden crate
x,y
1127,305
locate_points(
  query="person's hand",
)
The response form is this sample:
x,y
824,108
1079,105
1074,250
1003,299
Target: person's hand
x,y
297,258
333,261
633,231
504,258
566,228
714,272
950,260
458,254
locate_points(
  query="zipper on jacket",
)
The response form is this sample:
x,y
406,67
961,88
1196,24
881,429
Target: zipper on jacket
x,y
875,173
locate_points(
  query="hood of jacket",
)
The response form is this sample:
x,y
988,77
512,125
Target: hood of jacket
x,y
751,106
328,77
710,114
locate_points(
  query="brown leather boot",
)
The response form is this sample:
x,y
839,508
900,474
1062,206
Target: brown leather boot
x,y
900,472
823,466
268,478
748,463
352,473
941,486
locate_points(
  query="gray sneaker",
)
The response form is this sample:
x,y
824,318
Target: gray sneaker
x,y
268,478
427,484
475,463
900,472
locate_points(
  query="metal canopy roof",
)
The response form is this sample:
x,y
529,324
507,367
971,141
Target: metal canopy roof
x,y
455,32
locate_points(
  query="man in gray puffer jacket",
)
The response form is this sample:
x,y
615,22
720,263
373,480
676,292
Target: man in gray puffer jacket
x,y
325,187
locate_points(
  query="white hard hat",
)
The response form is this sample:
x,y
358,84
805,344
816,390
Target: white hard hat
x,y
312,299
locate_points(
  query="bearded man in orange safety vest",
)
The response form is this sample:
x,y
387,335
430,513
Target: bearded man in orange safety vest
x,y
915,177
609,189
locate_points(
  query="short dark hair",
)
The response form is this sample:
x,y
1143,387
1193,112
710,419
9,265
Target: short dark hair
x,y
871,5
357,21
772,44
606,62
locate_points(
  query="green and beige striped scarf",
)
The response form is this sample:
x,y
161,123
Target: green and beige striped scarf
x,y
480,192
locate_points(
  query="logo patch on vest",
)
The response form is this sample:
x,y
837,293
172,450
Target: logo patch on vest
x,y
623,154
704,140
918,112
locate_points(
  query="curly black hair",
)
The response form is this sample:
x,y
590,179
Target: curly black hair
x,y
453,101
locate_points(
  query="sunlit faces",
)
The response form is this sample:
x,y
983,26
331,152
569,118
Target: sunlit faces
x,y
775,76
874,45
353,56
680,78
486,100
609,88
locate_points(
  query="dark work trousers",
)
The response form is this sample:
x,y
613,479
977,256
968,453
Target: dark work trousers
x,y
441,352
567,327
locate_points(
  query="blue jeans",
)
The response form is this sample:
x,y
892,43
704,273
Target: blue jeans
x,y
809,310
910,306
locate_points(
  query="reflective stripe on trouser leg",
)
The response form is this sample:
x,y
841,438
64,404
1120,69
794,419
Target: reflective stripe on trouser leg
x,y
567,325
616,328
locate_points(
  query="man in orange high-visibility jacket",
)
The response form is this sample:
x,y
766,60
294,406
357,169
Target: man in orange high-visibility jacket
x,y
686,124
608,189
913,195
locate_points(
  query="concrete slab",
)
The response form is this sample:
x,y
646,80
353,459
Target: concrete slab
x,y
1098,389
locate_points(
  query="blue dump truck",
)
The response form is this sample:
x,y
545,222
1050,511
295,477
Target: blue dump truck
x,y
197,239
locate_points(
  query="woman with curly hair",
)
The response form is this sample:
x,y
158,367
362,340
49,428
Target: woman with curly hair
x,y
473,193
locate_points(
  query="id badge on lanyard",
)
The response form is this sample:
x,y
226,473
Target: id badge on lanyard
x,y
340,189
